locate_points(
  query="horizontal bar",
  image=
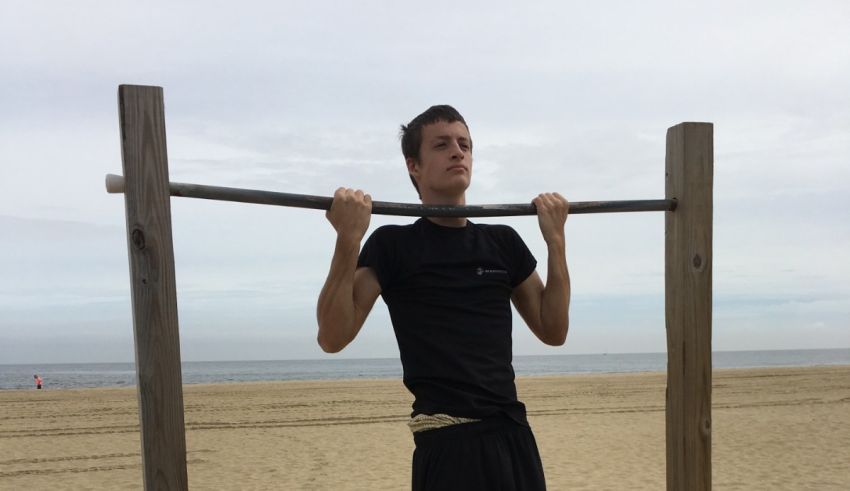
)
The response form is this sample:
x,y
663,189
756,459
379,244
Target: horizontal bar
x,y
115,184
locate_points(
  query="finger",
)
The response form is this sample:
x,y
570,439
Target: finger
x,y
560,201
557,200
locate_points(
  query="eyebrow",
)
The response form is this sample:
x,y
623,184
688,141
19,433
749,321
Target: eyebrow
x,y
449,137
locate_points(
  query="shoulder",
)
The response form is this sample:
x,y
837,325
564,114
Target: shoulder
x,y
383,250
495,227
391,231
387,235
504,237
498,231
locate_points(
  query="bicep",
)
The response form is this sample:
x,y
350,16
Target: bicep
x,y
366,291
527,298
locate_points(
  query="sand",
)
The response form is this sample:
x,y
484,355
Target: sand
x,y
780,428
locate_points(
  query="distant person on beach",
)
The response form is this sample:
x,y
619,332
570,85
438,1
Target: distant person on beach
x,y
448,284
38,381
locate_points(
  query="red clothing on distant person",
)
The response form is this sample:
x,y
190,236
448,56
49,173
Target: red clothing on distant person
x,y
38,382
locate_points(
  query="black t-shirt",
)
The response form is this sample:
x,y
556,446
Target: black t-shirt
x,y
448,291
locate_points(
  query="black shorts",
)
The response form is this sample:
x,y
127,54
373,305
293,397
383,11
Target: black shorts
x,y
494,454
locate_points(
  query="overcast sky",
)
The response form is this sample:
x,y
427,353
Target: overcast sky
x,y
574,97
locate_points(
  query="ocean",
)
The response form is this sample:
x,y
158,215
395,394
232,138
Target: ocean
x,y
79,375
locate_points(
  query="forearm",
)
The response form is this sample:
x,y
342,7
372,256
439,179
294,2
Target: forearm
x,y
335,311
555,299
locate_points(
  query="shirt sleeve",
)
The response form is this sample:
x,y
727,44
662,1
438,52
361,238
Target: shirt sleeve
x,y
523,262
376,254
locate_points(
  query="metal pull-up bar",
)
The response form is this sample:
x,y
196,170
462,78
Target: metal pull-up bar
x,y
115,184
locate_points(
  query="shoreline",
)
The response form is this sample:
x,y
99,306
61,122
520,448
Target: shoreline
x,y
394,377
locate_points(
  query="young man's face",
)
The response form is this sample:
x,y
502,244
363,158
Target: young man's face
x,y
444,168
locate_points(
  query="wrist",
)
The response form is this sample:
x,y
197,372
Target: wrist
x,y
348,242
557,241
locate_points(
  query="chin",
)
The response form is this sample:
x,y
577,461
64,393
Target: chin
x,y
458,188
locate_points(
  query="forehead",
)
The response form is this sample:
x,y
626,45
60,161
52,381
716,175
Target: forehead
x,y
442,129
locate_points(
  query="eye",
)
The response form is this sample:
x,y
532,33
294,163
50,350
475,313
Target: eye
x,y
440,145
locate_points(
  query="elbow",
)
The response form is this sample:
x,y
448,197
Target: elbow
x,y
558,336
559,340
324,339
329,349
329,342
329,345
553,323
323,343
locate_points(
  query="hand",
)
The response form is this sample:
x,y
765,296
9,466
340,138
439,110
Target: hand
x,y
552,211
350,213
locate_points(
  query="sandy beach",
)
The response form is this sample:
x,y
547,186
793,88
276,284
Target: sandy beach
x,y
778,428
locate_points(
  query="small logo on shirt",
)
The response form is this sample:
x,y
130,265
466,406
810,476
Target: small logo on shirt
x,y
482,271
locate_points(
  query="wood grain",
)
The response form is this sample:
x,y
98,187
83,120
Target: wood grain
x,y
688,231
154,297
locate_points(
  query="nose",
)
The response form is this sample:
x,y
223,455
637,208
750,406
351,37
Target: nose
x,y
457,152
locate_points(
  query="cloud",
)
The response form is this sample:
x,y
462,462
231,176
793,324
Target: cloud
x,y
306,97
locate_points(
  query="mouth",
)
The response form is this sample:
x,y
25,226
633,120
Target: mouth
x,y
456,167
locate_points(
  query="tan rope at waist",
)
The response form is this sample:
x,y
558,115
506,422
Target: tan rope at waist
x,y
425,422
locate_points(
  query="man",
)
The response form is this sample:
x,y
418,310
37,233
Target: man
x,y
448,284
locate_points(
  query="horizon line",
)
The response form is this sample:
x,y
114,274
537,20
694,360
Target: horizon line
x,y
333,358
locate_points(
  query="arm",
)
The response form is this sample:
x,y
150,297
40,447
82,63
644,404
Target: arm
x,y
546,308
349,292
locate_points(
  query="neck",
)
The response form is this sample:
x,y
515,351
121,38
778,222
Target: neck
x,y
436,200
455,222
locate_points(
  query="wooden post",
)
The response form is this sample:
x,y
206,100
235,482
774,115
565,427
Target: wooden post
x,y
147,200
688,230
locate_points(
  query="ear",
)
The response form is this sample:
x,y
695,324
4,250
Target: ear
x,y
413,167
